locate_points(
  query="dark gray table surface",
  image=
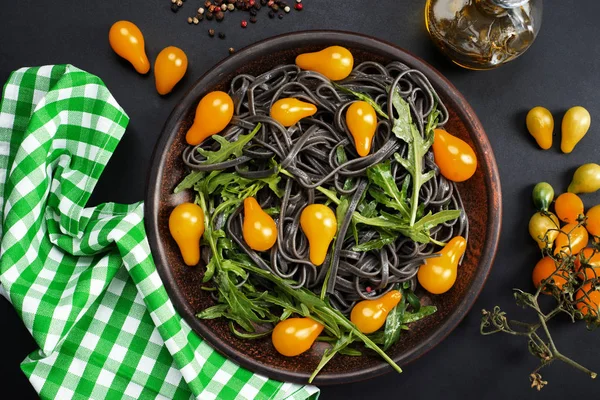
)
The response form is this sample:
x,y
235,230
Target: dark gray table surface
x,y
562,69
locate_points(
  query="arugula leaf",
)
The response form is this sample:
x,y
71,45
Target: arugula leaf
x,y
189,181
381,175
418,146
413,300
228,148
273,183
340,213
385,238
341,344
403,123
340,154
364,97
223,179
368,210
432,220
213,312
393,324
243,335
347,351
425,311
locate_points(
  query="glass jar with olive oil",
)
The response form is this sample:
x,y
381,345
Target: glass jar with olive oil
x,y
483,34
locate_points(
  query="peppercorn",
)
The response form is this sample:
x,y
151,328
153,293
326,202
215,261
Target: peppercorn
x,y
207,3
231,50
298,6
209,16
221,35
212,8
211,32
174,7
271,14
275,7
219,16
195,20
264,2
200,17
286,9
253,12
230,7
280,16
244,23
189,20
253,20
201,11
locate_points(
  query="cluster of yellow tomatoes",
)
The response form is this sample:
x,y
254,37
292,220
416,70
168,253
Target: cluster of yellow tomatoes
x,y
569,240
170,66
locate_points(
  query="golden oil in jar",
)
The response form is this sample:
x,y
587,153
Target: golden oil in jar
x,y
483,34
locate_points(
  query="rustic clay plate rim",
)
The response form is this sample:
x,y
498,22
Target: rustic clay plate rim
x,y
367,43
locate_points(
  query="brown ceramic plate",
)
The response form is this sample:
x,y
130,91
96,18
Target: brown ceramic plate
x,y
481,196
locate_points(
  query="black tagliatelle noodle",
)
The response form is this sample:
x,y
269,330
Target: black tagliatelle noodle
x,y
309,152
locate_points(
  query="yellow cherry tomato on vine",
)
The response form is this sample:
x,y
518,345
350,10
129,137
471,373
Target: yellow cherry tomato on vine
x,y
543,269
170,66
362,124
370,315
294,336
186,224
590,259
543,228
127,41
289,111
438,274
213,114
319,225
259,229
588,300
568,207
571,239
334,62
593,220
455,158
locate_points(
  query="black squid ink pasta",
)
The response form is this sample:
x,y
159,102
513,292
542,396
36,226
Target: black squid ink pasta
x,y
318,153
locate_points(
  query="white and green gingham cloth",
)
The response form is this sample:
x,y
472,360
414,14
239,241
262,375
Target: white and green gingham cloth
x,y
82,278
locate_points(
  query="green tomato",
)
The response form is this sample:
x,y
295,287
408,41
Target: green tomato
x,y
543,194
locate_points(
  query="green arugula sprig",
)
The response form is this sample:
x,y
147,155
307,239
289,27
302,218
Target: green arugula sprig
x,y
418,146
228,148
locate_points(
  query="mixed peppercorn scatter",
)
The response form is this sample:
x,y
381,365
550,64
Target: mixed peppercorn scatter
x,y
217,9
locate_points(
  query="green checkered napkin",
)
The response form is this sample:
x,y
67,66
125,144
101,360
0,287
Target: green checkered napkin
x,y
82,279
